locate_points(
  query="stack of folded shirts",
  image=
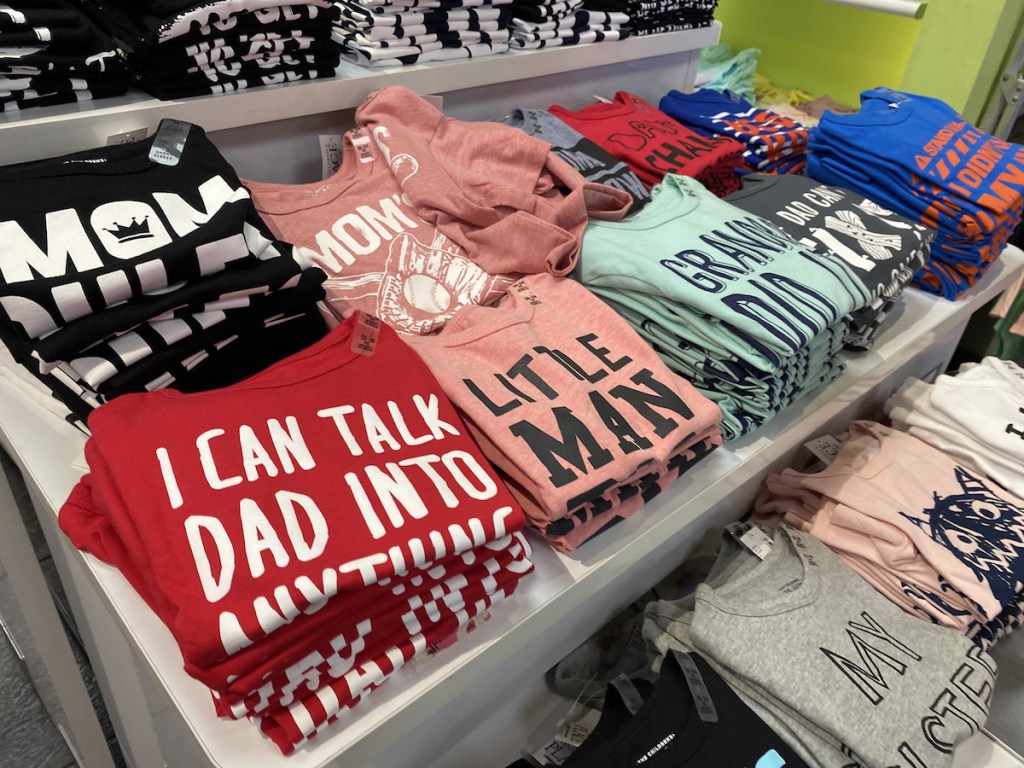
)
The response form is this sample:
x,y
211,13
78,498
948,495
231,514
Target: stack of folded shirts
x,y
917,156
977,417
748,315
305,533
774,143
136,267
595,164
792,630
386,33
839,674
50,53
653,144
882,248
550,23
587,425
935,537
179,48
649,17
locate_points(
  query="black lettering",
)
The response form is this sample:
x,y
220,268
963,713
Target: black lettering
x,y
933,725
571,365
573,435
663,397
601,353
522,368
629,439
497,410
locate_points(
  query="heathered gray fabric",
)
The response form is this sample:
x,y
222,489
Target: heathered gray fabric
x,y
845,676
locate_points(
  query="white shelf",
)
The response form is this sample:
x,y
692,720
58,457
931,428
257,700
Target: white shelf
x,y
558,606
46,131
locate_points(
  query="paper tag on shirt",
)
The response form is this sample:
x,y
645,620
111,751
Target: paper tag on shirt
x,y
330,153
825,448
630,695
361,143
751,537
575,732
367,331
169,142
698,688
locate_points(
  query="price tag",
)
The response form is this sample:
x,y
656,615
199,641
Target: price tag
x,y
758,542
169,142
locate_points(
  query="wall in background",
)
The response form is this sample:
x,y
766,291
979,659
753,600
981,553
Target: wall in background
x,y
960,50
821,47
954,53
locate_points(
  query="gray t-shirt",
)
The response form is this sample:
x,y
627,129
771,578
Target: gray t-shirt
x,y
593,162
843,674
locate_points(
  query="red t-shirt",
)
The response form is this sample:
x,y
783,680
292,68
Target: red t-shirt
x,y
239,511
653,144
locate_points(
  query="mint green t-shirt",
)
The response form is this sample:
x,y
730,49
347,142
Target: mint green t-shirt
x,y
722,276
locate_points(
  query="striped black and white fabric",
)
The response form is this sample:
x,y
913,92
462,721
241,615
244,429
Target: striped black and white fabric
x,y
182,49
389,34
549,23
50,53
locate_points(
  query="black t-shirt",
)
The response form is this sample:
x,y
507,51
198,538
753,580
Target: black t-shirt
x,y
668,731
110,230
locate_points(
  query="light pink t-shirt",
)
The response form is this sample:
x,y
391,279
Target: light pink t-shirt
x,y
428,214
563,397
894,500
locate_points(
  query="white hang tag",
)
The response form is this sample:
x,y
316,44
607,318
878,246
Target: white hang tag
x,y
825,448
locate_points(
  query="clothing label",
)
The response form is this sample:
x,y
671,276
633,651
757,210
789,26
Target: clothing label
x,y
127,137
602,99
698,688
435,101
825,448
330,153
365,335
630,695
575,732
361,142
552,753
169,143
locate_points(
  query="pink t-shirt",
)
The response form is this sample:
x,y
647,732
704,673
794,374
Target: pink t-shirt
x,y
563,397
428,214
893,500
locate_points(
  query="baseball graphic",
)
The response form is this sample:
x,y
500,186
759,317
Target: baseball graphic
x,y
427,294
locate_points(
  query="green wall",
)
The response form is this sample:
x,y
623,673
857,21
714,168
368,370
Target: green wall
x,y
821,47
960,50
954,53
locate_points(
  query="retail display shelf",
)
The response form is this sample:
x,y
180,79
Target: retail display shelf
x,y
47,131
558,606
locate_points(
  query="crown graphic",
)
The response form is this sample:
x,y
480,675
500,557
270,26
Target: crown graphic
x,y
134,231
